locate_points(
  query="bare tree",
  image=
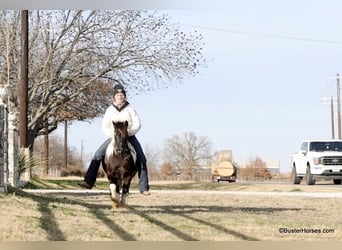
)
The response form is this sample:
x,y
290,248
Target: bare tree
x,y
76,56
166,170
188,152
153,158
56,147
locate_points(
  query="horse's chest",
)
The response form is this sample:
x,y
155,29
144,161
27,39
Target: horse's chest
x,y
118,167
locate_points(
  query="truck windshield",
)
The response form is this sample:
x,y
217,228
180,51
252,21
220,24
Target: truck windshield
x,y
326,146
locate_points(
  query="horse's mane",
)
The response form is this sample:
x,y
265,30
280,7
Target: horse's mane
x,y
110,149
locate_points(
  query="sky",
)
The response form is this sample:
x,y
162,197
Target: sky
x,y
269,66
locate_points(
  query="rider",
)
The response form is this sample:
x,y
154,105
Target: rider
x,y
120,110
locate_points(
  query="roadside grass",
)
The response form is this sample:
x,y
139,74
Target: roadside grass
x,y
166,216
42,183
70,183
296,190
102,184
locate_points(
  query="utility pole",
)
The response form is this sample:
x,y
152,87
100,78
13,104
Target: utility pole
x,y
65,144
338,105
325,100
332,118
82,152
23,88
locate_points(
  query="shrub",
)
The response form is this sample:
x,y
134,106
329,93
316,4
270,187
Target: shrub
x,y
255,170
73,171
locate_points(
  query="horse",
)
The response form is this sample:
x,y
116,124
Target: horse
x,y
119,165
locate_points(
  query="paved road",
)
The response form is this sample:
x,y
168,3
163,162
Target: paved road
x,y
252,193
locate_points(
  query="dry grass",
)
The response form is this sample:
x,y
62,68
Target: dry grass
x,y
171,216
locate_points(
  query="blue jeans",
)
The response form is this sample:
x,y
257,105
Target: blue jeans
x,y
94,166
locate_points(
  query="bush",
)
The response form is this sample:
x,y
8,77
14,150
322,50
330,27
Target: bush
x,y
255,170
73,171
27,162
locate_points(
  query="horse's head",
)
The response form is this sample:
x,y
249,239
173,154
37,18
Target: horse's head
x,y
120,137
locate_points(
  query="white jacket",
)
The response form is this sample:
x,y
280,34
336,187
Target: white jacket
x,y
127,113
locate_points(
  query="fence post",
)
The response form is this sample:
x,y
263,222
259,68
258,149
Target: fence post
x,y
2,151
3,136
13,148
9,166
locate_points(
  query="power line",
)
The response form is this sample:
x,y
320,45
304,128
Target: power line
x,y
263,35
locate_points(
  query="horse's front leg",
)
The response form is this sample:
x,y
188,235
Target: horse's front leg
x,y
114,195
125,191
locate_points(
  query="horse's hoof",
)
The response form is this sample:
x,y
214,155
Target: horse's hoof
x,y
124,200
115,205
124,205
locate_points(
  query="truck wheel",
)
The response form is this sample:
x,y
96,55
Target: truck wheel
x,y
337,181
309,178
294,178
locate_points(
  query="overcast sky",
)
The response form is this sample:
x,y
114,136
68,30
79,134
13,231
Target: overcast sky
x,y
269,65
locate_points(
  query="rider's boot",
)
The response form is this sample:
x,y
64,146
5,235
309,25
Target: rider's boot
x,y
90,177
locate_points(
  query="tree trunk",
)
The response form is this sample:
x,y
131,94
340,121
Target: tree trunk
x,y
46,149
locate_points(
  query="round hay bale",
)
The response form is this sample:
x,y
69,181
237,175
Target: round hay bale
x,y
225,155
223,168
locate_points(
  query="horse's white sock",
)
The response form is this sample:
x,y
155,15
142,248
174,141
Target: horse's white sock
x,y
112,188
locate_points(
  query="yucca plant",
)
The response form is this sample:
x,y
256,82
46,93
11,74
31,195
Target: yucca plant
x,y
27,162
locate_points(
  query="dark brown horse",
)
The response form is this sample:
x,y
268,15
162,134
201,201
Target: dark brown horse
x,y
119,165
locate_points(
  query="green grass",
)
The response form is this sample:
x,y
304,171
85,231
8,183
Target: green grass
x,y
37,183
191,186
102,184
296,190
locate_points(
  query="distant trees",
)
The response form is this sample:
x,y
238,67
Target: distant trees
x,y
76,56
153,159
255,169
56,157
188,152
167,170
183,155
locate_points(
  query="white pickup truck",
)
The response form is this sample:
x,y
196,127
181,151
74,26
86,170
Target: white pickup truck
x,y
317,159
